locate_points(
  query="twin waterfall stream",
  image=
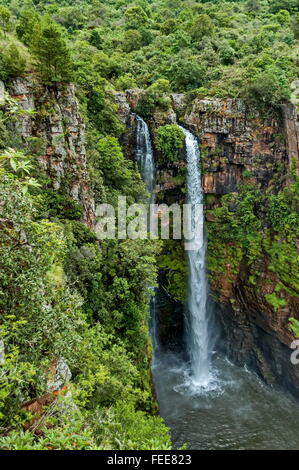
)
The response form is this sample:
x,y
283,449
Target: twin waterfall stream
x,y
207,402
197,284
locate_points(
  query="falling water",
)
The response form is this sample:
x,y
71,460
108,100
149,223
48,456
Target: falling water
x,y
223,407
145,156
146,163
198,344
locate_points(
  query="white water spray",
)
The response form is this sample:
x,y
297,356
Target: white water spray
x,y
198,340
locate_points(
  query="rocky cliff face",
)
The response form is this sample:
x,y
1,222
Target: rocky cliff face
x,y
256,334
238,144
234,140
127,117
291,126
53,120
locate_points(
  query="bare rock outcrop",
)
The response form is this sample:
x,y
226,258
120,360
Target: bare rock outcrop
x,y
53,118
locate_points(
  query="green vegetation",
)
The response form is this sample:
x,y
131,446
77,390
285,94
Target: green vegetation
x,y
275,301
217,48
232,48
52,54
172,262
4,19
118,174
294,327
155,96
169,140
63,295
256,225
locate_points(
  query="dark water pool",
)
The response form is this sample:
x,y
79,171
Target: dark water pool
x,y
240,412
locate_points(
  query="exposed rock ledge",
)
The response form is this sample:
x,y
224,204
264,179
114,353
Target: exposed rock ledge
x,y
55,120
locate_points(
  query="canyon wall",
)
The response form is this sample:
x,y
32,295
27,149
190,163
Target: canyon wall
x,y
238,144
235,139
51,121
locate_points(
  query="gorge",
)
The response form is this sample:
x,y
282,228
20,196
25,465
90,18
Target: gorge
x,y
208,402
149,342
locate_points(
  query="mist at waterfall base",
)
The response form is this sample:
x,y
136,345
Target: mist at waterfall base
x,y
242,413
207,402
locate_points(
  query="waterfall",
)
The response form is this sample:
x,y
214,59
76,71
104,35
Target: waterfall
x,y
145,156
198,341
198,344
145,159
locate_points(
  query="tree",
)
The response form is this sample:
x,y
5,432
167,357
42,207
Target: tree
x,y
253,6
186,74
201,26
277,5
295,25
52,53
12,62
132,40
95,39
27,22
169,140
118,173
125,82
135,16
4,18
267,89
283,17
156,96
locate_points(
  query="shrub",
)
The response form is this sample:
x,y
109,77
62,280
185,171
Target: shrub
x,y
132,40
12,62
201,26
156,96
125,82
60,205
275,301
25,27
186,74
4,18
169,140
267,89
102,112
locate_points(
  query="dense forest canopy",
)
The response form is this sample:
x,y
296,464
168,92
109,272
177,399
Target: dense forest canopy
x,y
243,48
